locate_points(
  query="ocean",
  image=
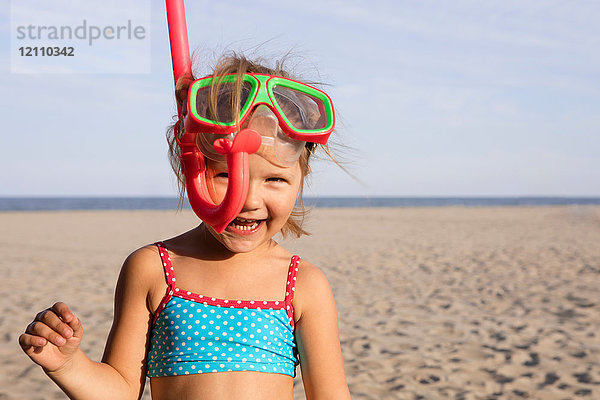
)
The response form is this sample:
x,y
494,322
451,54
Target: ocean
x,y
170,203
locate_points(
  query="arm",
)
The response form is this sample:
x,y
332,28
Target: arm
x,y
318,338
120,375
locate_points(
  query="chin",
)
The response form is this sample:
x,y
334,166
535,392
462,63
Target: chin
x,y
241,243
247,240
241,248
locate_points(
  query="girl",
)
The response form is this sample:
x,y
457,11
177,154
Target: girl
x,y
214,314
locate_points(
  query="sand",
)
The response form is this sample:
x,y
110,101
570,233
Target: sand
x,y
434,303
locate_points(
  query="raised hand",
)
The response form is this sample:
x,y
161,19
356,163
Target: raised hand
x,y
52,338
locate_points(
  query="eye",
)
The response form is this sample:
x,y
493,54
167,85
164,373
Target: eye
x,y
276,179
222,175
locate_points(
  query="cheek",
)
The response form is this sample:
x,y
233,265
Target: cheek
x,y
286,201
285,206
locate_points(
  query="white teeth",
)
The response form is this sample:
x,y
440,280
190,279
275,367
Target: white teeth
x,y
246,227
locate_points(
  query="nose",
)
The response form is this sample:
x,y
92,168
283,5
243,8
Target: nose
x,y
254,200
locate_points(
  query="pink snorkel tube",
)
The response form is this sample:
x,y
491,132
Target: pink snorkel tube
x,y
192,160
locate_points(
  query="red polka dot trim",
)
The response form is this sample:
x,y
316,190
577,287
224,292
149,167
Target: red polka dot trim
x,y
214,301
173,290
290,288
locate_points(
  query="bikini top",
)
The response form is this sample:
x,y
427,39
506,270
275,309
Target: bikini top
x,y
195,334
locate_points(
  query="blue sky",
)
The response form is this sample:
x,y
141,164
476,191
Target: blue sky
x,y
462,98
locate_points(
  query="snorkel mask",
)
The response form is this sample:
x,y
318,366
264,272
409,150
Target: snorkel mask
x,y
275,118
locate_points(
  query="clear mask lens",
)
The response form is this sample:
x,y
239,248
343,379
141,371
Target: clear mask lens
x,y
302,110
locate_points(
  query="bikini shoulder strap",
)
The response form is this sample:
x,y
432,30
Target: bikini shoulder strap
x,y
167,266
290,288
169,277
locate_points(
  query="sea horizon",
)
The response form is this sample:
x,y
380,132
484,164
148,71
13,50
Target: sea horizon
x,y
66,203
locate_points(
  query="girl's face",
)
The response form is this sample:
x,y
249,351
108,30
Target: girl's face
x,y
271,197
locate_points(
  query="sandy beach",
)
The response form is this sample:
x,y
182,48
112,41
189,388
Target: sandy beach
x,y
434,303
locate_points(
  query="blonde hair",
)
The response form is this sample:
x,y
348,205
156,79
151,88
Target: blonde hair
x,y
234,63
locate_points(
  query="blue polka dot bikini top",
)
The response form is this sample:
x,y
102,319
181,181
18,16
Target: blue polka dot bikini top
x,y
195,334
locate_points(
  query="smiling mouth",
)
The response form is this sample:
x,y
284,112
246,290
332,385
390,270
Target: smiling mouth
x,y
245,226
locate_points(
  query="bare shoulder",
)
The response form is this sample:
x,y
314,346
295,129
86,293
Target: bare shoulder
x,y
312,288
310,276
143,263
142,271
